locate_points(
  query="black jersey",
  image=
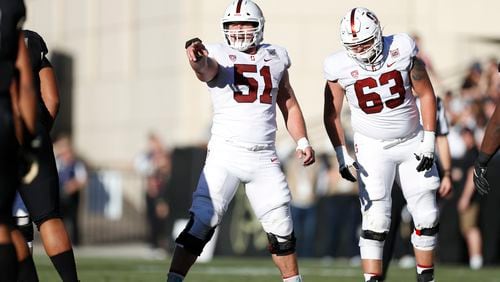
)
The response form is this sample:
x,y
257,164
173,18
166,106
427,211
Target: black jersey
x,y
12,14
38,55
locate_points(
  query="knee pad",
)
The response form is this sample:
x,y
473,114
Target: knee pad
x,y
25,225
281,245
424,237
278,225
375,229
195,236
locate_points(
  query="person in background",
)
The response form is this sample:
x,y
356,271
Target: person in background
x,y
341,213
155,166
73,178
469,203
303,184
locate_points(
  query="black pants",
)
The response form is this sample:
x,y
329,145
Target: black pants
x,y
41,196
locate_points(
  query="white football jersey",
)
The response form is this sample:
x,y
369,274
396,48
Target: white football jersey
x,y
244,92
381,101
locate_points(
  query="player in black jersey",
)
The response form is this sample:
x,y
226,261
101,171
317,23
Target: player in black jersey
x,y
17,119
41,196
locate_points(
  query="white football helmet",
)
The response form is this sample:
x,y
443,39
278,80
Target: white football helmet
x,y
243,11
361,27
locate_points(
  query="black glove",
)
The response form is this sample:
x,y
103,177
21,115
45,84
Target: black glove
x,y
480,181
346,173
191,41
480,170
426,162
426,151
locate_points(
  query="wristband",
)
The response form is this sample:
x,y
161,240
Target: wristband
x,y
429,135
302,143
191,41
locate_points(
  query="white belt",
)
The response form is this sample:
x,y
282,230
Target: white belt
x,y
400,140
248,146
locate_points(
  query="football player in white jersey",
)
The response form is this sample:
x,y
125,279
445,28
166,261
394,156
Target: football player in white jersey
x,y
246,80
376,74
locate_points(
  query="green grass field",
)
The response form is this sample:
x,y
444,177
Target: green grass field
x,y
246,270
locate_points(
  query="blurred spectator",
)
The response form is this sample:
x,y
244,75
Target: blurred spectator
x,y
303,183
154,164
422,54
468,203
72,179
342,212
492,78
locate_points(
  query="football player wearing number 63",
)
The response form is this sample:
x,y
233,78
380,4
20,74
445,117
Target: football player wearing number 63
x,y
376,74
246,79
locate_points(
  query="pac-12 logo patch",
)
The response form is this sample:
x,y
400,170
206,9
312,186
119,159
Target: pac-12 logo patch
x,y
355,74
394,53
232,58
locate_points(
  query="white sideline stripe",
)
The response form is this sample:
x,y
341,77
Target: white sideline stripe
x,y
265,271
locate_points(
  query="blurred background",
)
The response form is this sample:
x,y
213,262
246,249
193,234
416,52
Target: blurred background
x,y
139,119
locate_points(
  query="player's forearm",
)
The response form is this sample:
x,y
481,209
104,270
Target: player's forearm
x,y
444,153
295,123
49,90
205,68
331,116
334,130
491,138
428,102
27,98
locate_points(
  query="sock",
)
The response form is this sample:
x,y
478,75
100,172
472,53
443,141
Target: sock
x,y
476,262
8,263
27,270
422,268
65,265
174,277
296,278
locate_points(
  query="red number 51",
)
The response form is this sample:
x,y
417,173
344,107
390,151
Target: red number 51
x,y
252,83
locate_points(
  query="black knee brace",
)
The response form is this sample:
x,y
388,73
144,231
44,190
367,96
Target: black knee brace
x,y
372,235
281,248
191,243
427,231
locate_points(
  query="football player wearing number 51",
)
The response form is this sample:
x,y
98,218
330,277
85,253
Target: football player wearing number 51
x,y
246,79
377,73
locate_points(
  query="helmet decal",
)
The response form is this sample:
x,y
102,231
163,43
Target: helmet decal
x,y
238,7
353,27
